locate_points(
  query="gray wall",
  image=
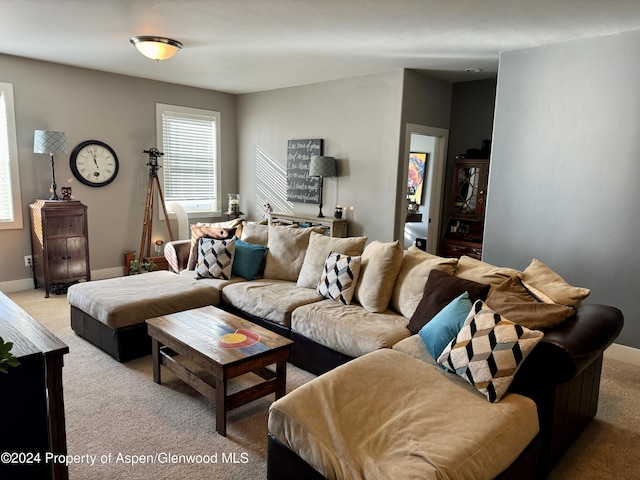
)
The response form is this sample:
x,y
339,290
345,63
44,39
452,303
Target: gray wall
x,y
425,101
118,110
472,109
359,120
564,171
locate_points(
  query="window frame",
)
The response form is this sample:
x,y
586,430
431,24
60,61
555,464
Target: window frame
x,y
14,164
162,108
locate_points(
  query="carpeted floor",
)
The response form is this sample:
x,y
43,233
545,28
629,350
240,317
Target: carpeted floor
x,y
115,412
116,415
608,446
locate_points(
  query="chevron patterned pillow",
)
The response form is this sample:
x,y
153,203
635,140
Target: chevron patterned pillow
x,y
488,351
215,258
339,277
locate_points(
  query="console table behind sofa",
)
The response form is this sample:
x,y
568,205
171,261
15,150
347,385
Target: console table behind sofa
x,y
335,227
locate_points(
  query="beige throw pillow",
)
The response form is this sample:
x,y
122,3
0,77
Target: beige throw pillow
x,y
380,266
319,247
538,275
255,233
287,248
414,273
482,272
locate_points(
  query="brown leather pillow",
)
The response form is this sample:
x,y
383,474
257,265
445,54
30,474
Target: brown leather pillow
x,y
515,302
440,289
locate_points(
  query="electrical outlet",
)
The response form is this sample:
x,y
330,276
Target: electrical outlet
x,y
28,260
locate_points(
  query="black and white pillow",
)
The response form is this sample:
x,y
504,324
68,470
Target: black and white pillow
x,y
215,258
488,351
339,277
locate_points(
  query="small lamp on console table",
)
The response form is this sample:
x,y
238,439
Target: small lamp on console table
x,y
48,141
322,167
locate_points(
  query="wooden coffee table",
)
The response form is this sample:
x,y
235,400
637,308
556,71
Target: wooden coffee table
x,y
221,345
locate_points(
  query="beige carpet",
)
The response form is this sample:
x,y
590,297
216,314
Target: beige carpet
x,y
608,448
115,410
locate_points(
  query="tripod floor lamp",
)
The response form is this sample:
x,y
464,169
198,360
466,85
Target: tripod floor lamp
x,y
322,167
51,142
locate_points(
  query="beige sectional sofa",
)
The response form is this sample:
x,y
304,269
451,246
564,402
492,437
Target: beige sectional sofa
x,y
285,298
387,288
313,433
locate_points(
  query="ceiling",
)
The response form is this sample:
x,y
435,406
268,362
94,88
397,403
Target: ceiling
x,y
241,46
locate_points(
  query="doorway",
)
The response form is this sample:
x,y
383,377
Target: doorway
x,y
432,142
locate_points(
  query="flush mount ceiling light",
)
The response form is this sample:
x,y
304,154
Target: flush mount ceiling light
x,y
156,48
473,70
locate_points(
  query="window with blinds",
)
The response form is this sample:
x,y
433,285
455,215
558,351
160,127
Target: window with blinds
x,y
189,139
10,208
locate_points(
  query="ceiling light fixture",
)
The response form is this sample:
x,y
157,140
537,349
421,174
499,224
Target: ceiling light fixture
x,y
156,48
473,70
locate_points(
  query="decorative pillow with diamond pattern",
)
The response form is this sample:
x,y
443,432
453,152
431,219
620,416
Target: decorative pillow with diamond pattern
x,y
488,351
339,277
215,258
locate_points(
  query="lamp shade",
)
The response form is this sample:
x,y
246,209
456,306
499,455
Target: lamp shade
x,y
49,141
156,48
322,166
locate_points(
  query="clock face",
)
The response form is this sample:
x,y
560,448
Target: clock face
x,y
94,163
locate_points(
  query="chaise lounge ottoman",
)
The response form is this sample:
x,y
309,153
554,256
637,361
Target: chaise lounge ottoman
x,y
111,313
387,415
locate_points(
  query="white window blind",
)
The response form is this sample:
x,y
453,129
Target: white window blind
x,y
189,139
10,208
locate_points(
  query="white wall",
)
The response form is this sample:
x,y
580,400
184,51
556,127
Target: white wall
x,y
563,183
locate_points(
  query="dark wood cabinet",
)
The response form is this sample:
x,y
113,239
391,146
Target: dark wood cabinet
x,y
469,189
465,228
60,243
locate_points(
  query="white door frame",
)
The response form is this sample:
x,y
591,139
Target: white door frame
x,y
436,177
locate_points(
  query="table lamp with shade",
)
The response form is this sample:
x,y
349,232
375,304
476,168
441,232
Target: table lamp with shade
x,y
51,142
322,167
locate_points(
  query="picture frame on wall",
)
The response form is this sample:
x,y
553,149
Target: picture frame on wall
x,y
415,181
300,187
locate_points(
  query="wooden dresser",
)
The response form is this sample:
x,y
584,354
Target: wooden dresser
x,y
60,243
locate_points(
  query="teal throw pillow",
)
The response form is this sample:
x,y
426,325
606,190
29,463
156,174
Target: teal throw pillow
x,y
248,260
446,324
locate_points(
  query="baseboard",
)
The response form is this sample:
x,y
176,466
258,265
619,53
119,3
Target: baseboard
x,y
623,353
107,273
16,285
27,283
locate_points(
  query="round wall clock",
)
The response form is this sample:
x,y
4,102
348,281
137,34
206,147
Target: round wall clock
x,y
94,163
